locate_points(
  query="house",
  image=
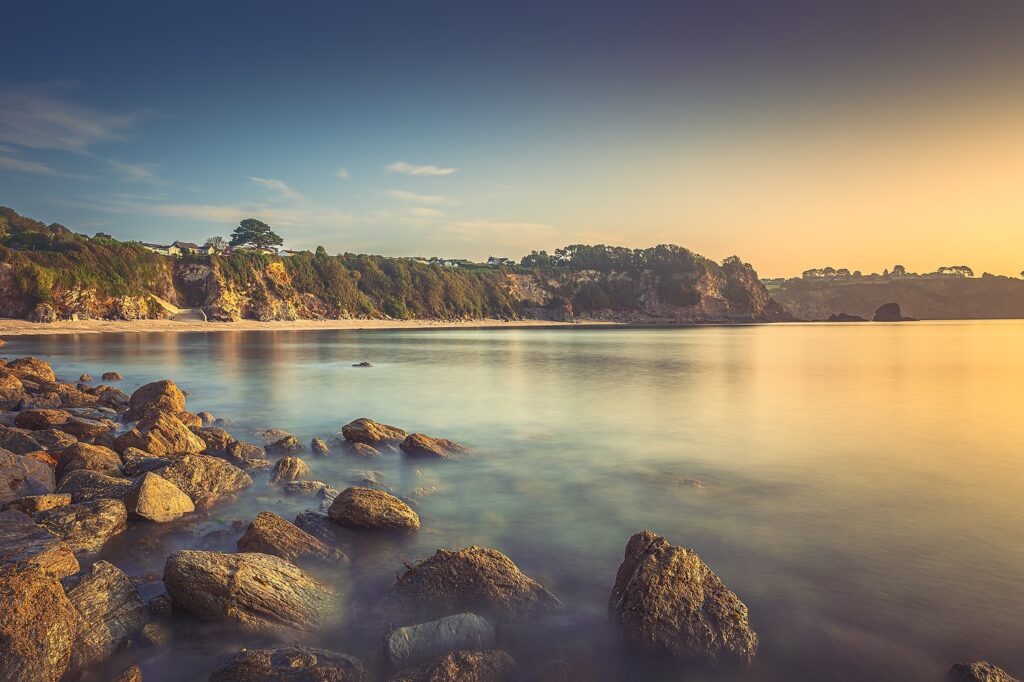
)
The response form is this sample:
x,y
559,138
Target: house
x,y
163,250
499,262
189,247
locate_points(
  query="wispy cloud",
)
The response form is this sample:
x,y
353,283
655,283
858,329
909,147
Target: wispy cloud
x,y
414,198
279,187
22,166
410,169
505,231
41,118
342,173
423,212
137,172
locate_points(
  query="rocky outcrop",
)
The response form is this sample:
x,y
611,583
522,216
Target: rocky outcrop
x,y
158,396
667,601
415,644
463,666
85,527
38,626
205,479
364,430
890,312
979,671
365,508
290,664
475,579
289,469
156,499
270,534
110,611
160,434
419,445
257,593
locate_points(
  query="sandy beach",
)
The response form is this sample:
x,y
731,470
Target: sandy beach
x,y
11,327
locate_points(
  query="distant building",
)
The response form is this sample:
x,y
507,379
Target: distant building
x,y
498,262
163,249
285,253
189,247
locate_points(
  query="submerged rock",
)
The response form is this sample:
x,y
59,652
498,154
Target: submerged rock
x,y
364,430
270,534
111,376
475,579
290,664
463,666
415,644
111,613
160,434
320,526
667,601
246,455
38,626
318,447
317,489
205,479
156,499
419,445
359,449
289,445
258,593
86,527
979,671
289,469
159,396
362,508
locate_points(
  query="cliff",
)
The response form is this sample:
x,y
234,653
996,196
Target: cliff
x,y
49,272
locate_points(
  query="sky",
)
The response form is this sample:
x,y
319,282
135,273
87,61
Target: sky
x,y
793,134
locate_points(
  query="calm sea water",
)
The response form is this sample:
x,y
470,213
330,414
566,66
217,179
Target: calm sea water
x,y
860,486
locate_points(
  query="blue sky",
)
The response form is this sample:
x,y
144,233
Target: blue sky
x,y
468,128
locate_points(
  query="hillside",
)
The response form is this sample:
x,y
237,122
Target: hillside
x,y
48,271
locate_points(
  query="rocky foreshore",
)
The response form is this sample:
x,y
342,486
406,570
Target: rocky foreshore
x,y
83,464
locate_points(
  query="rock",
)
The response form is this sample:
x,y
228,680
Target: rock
x,y
39,419
246,455
361,508
43,313
111,613
269,436
88,486
70,396
21,476
367,431
54,440
156,634
32,369
89,457
475,579
416,644
364,363
320,526
12,391
159,396
161,433
317,489
270,534
979,671
289,469
85,377
130,674
135,462
890,312
667,601
18,441
155,499
360,449
418,445
217,440
37,503
25,545
289,663
845,317
206,418
112,376
87,526
38,626
83,428
205,479
258,593
463,666
318,447
289,445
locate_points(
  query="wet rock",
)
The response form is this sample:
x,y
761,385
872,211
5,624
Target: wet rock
x,y
87,526
364,508
289,469
21,476
318,447
70,396
667,601
130,674
475,579
463,666
90,458
111,376
320,526
217,440
38,626
160,433
979,671
359,449
246,455
19,441
36,503
85,377
289,445
32,369
88,486
158,396
269,436
155,499
155,634
111,613
317,489
206,418
364,363
54,440
419,445
160,607
414,644
135,462
258,593
205,479
290,664
12,391
38,419
25,545
270,534
364,430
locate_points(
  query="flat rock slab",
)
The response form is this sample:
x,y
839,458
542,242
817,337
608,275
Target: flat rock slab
x,y
87,526
415,644
25,544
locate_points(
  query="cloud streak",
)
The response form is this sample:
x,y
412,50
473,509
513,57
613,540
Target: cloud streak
x,y
414,198
407,168
137,172
37,118
279,187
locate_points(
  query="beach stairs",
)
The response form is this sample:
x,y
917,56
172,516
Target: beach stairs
x,y
180,314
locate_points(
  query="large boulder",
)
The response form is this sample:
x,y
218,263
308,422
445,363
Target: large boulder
x,y
38,419
26,545
270,534
12,391
205,479
258,593
156,499
289,469
979,671
160,433
21,476
86,527
462,666
88,486
38,625
414,644
289,663
365,508
217,439
89,457
419,445
667,601
135,462
320,526
158,396
475,579
364,430
32,369
110,611
19,441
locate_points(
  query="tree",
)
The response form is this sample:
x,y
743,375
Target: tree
x,y
899,271
217,242
321,251
956,271
255,233
1022,274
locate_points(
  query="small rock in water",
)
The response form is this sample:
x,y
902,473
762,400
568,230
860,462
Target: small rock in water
x,y
416,644
289,445
364,363
288,663
979,671
317,489
289,469
85,377
359,449
365,508
319,447
483,666
111,376
419,445
270,534
206,418
246,455
130,674
269,436
364,430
